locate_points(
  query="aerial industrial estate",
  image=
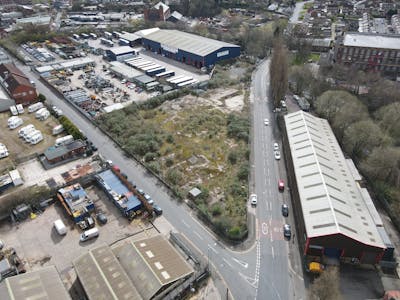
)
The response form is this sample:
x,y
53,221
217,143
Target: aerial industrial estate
x,y
199,149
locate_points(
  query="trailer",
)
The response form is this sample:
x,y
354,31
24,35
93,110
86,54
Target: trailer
x,y
175,77
64,140
165,74
108,35
155,71
142,64
15,122
116,34
28,132
179,79
24,129
187,83
39,112
149,67
36,139
57,129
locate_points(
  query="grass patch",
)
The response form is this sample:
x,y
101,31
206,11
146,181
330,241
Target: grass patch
x,y
196,146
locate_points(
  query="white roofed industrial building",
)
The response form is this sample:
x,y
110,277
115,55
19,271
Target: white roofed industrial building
x,y
338,218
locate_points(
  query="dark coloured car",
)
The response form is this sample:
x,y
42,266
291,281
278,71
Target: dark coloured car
x,y
287,232
157,210
90,222
94,148
101,218
285,210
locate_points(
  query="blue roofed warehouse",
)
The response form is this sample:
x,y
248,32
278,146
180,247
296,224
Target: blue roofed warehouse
x,y
188,48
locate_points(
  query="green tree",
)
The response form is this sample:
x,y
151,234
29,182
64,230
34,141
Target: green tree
x,y
388,118
278,72
41,97
361,137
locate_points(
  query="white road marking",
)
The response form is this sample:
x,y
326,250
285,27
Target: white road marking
x,y
253,282
186,224
242,263
198,235
264,228
272,252
215,251
227,262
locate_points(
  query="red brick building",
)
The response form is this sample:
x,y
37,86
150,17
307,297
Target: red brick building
x,y
17,85
159,12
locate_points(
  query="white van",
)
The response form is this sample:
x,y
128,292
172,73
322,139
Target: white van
x,y
36,139
3,153
20,109
58,129
89,234
24,129
13,110
64,140
60,227
15,123
39,112
34,107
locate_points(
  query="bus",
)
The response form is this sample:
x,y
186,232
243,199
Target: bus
x,y
84,36
116,34
108,35
106,42
93,36
165,74
75,36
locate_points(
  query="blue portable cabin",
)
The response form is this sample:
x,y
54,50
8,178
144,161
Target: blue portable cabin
x,y
118,193
155,71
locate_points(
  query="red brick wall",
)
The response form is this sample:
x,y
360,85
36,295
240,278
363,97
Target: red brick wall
x,y
24,95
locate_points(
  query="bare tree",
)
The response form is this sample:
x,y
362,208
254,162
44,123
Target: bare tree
x,y
278,72
302,77
326,286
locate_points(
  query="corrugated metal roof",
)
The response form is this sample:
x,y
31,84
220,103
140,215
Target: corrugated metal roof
x,y
121,50
151,264
102,276
188,42
43,284
371,40
330,198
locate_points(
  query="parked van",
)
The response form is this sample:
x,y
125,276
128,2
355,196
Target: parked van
x,y
44,115
58,129
60,227
12,120
36,139
13,110
24,129
89,234
15,123
20,109
34,107
3,153
64,140
39,112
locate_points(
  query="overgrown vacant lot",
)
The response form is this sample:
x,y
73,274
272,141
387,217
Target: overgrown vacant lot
x,y
194,142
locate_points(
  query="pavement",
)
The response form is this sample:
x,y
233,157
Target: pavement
x,y
296,12
261,272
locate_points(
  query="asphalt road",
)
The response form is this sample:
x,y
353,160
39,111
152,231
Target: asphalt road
x,y
262,272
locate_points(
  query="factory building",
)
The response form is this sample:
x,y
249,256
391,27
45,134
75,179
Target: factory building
x,y
120,53
144,269
187,48
75,201
336,217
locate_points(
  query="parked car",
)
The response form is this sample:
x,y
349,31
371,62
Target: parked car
x,y
285,210
253,199
157,210
287,232
276,147
101,218
148,199
277,155
281,185
140,191
266,122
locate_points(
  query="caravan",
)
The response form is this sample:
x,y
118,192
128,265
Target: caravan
x,y
64,140
34,107
14,123
36,138
28,132
44,115
31,135
39,112
24,129
58,129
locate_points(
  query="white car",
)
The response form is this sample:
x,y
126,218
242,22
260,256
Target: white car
x,y
276,147
277,155
253,199
266,122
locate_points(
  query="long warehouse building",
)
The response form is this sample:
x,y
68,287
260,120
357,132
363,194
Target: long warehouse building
x,y
188,48
336,217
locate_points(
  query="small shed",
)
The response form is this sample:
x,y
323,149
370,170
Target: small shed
x,y
194,193
16,178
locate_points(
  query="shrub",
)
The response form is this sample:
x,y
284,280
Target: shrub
x,y
70,128
216,209
238,127
150,156
243,173
173,176
170,139
232,157
169,162
154,166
